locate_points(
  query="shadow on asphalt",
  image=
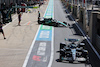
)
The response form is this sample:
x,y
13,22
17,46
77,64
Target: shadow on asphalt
x,y
77,32
57,60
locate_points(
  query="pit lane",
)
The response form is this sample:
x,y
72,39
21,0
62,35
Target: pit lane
x,y
41,50
61,33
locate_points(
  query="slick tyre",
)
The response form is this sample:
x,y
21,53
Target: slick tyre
x,y
70,61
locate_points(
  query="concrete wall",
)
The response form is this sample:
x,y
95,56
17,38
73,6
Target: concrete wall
x,y
85,20
98,32
82,19
95,61
74,12
0,3
69,7
81,15
93,29
98,41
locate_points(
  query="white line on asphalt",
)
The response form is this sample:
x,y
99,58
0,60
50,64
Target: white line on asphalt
x,y
45,11
52,43
28,55
14,15
9,23
6,25
26,23
52,48
14,19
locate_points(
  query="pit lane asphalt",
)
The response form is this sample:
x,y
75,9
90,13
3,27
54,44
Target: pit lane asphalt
x,y
14,48
60,33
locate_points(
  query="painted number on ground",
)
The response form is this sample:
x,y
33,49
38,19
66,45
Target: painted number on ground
x,y
36,58
44,34
41,49
46,27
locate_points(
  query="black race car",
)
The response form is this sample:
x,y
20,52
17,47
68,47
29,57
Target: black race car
x,y
73,52
51,22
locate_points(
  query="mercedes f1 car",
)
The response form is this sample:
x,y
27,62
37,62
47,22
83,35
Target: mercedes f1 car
x,y
73,52
51,22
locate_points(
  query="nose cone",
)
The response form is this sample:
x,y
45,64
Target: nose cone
x,y
73,53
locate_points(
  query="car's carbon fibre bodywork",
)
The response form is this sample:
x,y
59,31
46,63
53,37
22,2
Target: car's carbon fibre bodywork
x,y
51,22
73,52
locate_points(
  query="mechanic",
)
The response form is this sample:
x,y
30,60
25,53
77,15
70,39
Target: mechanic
x,y
4,12
39,5
1,30
38,16
19,16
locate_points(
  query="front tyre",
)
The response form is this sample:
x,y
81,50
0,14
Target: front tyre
x,y
60,58
70,61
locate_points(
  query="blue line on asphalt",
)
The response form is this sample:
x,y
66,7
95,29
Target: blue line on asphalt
x,y
44,35
49,14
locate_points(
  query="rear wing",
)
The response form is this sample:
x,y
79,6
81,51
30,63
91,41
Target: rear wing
x,y
62,23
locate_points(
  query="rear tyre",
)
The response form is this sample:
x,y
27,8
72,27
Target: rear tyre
x,y
71,61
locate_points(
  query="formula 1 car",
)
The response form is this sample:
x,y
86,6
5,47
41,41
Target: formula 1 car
x,y
73,52
51,22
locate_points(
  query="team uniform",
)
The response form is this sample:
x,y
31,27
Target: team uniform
x,y
19,15
1,29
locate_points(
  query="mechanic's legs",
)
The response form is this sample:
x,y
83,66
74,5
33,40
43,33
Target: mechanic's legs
x,y
3,21
38,20
19,23
3,35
